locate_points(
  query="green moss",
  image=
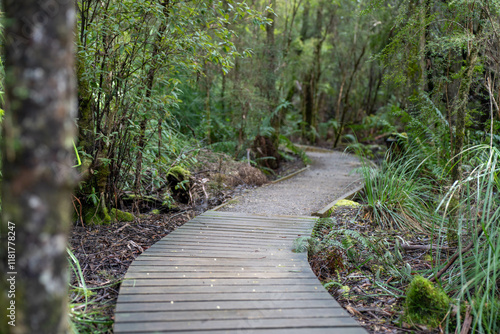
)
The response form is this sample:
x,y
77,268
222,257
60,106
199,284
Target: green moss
x,y
155,212
96,215
425,304
122,216
179,173
343,203
346,202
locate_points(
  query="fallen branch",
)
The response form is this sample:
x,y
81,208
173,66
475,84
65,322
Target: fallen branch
x,y
423,247
467,322
454,258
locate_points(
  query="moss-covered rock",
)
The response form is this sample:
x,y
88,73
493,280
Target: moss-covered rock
x,y
342,203
178,182
425,304
346,202
121,216
179,173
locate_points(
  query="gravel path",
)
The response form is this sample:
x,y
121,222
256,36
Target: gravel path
x,y
329,176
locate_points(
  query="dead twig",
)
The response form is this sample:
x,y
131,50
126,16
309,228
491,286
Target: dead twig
x,y
454,258
422,247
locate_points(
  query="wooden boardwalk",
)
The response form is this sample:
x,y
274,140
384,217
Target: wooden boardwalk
x,y
229,273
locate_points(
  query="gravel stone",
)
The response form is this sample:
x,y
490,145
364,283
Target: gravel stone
x,y
329,176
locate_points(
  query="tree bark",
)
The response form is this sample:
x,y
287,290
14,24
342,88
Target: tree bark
x,y
271,93
149,83
460,108
37,158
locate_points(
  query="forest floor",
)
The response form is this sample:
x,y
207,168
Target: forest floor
x,y
368,292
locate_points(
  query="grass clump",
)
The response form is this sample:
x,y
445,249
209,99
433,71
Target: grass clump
x,y
425,304
397,195
85,314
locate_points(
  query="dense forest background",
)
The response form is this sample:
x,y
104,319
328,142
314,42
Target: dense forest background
x,y
159,81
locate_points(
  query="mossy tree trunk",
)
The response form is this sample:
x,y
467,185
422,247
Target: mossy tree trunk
x,y
37,159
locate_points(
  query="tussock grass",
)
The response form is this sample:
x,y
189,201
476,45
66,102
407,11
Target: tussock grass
x,y
474,278
397,196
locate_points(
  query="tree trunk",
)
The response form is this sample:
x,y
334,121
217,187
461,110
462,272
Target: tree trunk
x,y
37,159
270,75
150,80
460,108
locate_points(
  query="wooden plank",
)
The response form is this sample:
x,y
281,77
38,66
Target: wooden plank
x,y
233,314
237,296
208,275
140,282
243,231
221,305
195,239
218,269
215,261
325,330
128,290
243,225
239,235
218,255
239,215
238,324
208,246
267,224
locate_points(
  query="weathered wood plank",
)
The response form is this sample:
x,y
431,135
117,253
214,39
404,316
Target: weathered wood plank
x,y
239,236
222,305
227,275
215,261
305,323
233,314
140,282
219,289
228,268
240,296
325,330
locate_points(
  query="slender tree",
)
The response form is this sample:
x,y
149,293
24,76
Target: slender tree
x,y
37,158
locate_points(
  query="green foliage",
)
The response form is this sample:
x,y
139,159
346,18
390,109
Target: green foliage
x,y
474,277
133,57
398,195
294,149
425,304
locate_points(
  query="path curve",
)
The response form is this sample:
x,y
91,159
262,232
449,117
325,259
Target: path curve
x,y
330,175
235,272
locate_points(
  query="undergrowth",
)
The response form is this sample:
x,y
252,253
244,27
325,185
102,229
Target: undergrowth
x,y
86,312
